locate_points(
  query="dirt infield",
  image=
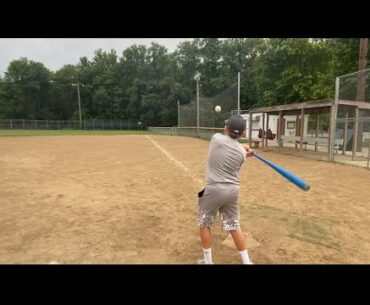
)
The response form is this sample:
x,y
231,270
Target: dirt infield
x,y
132,199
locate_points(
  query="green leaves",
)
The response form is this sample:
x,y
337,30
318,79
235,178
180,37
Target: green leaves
x,y
294,70
145,83
24,91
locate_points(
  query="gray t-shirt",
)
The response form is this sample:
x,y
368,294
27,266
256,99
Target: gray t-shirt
x,y
225,157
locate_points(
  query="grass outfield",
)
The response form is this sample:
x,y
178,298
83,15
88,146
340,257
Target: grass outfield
x,y
25,133
29,133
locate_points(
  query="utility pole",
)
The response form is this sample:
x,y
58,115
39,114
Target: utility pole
x,y
178,113
362,61
238,93
79,102
197,78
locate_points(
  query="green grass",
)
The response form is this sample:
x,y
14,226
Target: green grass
x,y
310,229
27,133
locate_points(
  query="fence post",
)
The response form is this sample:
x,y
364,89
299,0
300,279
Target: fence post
x,y
355,134
35,124
267,128
47,124
103,124
317,128
263,129
128,124
345,135
120,124
23,125
332,128
111,123
250,129
301,131
280,129
11,124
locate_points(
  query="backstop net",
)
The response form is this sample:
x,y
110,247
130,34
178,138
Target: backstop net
x,y
352,125
208,117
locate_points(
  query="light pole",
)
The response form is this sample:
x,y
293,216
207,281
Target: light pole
x,y
78,84
79,99
238,93
178,113
237,55
197,78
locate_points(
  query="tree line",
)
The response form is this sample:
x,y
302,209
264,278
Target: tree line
x,y
145,83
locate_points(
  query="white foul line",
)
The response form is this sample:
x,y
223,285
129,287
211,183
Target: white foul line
x,y
178,163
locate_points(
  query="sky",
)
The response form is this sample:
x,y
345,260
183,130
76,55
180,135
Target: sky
x,y
56,52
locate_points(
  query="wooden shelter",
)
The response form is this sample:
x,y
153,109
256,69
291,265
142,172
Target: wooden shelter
x,y
337,111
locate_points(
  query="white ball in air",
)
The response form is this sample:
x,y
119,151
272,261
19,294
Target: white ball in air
x,y
218,108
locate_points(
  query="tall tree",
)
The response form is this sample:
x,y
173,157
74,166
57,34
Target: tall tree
x,y
145,83
25,88
292,70
62,97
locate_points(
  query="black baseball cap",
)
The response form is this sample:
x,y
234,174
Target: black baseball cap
x,y
236,124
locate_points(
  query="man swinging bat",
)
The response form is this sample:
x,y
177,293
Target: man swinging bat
x,y
226,156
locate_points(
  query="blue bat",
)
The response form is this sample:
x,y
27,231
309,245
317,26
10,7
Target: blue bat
x,y
291,177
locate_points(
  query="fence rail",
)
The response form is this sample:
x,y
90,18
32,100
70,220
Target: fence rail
x,y
92,124
201,132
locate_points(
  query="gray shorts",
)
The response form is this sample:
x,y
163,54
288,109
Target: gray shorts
x,y
222,198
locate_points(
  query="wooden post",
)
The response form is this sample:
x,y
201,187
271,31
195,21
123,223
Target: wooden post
x,y
263,130
354,146
317,128
361,83
11,124
250,129
345,136
301,131
333,114
280,130
296,130
267,128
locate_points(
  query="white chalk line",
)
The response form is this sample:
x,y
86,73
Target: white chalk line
x,y
177,162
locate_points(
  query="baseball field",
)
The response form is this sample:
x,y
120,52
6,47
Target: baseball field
x,y
132,199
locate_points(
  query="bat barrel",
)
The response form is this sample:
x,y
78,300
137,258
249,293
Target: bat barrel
x,y
291,177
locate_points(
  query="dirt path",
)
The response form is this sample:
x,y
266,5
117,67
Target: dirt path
x,y
122,199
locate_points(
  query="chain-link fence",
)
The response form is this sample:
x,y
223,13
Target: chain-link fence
x,y
354,86
352,121
239,112
208,116
203,132
91,124
336,130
